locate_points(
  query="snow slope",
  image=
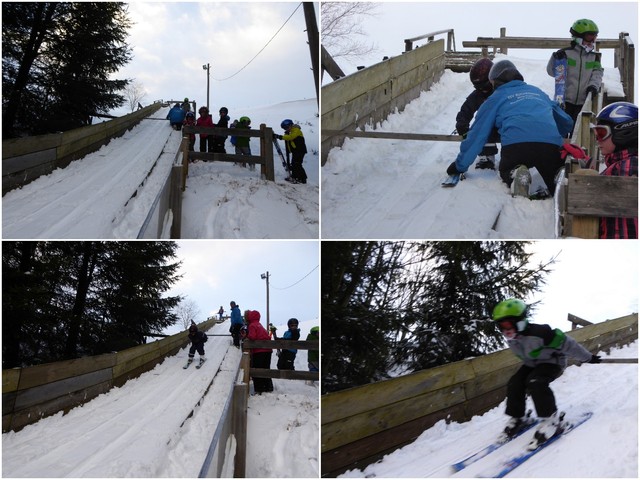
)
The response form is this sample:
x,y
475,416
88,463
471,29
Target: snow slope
x,y
606,446
142,429
108,193
391,189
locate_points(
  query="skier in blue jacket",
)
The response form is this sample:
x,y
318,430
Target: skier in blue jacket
x,y
530,124
176,117
544,352
236,323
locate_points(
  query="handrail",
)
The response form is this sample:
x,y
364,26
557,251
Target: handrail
x,y
451,40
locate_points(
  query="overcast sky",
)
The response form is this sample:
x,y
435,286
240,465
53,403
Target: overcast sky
x,y
171,41
396,21
596,280
215,272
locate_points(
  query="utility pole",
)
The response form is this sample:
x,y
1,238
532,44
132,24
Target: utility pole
x,y
314,43
265,276
206,67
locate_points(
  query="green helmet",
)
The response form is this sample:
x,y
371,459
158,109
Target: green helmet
x,y
511,309
582,27
246,120
315,330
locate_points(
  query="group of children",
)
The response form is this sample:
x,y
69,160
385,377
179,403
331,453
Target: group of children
x,y
250,328
295,145
533,129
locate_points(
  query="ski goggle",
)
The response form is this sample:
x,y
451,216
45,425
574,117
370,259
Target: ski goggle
x,y
601,132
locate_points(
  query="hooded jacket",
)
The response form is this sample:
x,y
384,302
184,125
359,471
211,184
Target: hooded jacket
x,y
294,141
256,331
521,113
236,316
541,344
583,70
176,115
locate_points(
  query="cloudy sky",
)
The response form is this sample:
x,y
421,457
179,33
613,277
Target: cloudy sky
x,y
594,279
171,41
396,21
218,271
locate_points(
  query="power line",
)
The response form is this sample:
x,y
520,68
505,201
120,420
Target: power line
x,y
293,285
267,44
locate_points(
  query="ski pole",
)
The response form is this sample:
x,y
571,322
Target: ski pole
x,y
619,360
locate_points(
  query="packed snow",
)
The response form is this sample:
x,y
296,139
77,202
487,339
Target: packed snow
x,y
606,446
143,428
373,188
108,193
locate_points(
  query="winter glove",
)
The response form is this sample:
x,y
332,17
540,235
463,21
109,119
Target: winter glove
x,y
279,137
593,90
272,328
453,170
560,54
595,359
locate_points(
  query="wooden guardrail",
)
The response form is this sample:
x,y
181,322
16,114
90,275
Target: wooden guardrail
x,y
32,393
362,424
265,159
624,55
370,95
25,159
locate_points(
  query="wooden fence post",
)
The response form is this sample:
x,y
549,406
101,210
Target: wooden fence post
x,y
185,160
266,149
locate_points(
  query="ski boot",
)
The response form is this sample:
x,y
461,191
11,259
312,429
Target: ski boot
x,y
549,427
486,162
521,181
189,362
514,427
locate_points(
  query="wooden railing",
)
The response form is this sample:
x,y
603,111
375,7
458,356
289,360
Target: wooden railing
x,y
264,159
25,159
362,424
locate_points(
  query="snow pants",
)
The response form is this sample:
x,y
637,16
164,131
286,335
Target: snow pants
x,y
297,171
544,156
535,381
234,330
196,346
261,360
286,359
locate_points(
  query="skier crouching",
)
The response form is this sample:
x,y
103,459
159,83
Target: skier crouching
x,y
198,340
544,353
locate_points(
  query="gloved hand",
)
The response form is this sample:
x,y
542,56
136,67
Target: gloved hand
x,y
453,170
595,359
272,328
279,137
593,90
560,54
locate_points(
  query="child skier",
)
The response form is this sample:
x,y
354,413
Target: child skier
x,y
479,76
287,357
236,323
198,340
544,353
616,131
190,121
296,146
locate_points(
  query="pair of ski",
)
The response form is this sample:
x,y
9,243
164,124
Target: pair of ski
x,y
511,464
197,366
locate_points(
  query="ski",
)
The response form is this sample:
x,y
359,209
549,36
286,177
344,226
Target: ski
x,y
200,364
560,75
513,463
285,163
462,464
452,180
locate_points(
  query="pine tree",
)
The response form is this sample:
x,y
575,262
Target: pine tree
x,y
61,62
396,306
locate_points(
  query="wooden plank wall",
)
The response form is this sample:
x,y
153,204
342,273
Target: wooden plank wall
x,y
25,159
31,393
370,95
362,424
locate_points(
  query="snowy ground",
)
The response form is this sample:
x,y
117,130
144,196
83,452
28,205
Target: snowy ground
x,y
135,430
391,188
108,193
606,446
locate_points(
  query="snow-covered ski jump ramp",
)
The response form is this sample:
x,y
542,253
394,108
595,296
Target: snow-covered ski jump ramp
x,y
361,425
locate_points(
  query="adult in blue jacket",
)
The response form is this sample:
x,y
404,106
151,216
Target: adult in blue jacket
x,y
176,117
530,124
236,323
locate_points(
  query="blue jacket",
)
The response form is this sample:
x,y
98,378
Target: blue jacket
x,y
176,115
521,113
292,334
236,316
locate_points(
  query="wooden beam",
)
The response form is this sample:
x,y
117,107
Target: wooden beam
x,y
392,135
